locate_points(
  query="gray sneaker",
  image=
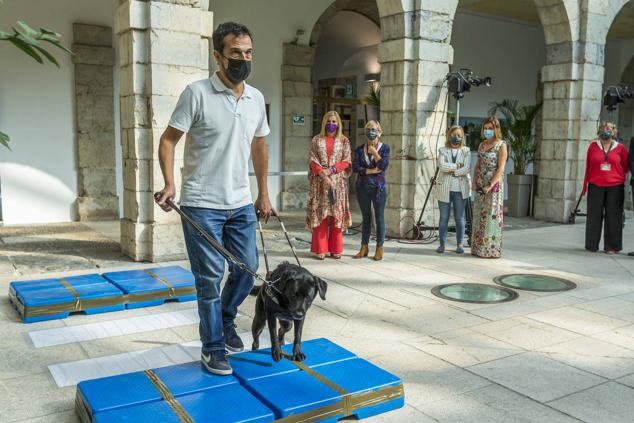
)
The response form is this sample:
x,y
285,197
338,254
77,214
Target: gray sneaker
x,y
440,249
216,363
232,340
459,249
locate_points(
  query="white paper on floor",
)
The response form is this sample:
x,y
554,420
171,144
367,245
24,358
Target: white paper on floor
x,y
73,372
99,330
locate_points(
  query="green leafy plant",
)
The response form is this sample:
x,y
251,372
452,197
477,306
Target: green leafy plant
x,y
374,95
4,140
33,43
517,128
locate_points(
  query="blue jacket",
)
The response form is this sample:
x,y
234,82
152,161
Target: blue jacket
x,y
361,162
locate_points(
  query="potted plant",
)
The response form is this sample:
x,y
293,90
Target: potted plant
x,y
517,129
373,102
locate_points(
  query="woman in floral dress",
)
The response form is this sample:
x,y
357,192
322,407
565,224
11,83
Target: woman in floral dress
x,y
488,183
328,210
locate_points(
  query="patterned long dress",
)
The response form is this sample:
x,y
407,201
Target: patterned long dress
x,y
319,207
488,208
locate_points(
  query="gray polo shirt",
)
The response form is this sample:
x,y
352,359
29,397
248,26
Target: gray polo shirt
x,y
218,145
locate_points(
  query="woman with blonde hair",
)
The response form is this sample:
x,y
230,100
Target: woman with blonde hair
x,y
607,164
370,163
328,210
452,185
488,183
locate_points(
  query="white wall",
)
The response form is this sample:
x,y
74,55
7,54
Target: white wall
x,y
348,46
272,23
38,178
512,53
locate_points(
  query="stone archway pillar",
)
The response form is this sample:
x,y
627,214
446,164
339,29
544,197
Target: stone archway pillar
x,y
415,55
572,94
163,47
94,111
297,101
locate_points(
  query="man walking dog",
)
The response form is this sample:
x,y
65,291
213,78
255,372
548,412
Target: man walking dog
x,y
225,122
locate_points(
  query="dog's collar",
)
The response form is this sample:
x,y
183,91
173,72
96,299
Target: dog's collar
x,y
268,290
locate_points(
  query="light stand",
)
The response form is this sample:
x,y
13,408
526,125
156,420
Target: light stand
x,y
458,83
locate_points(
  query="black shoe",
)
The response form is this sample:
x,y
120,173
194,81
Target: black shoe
x,y
440,249
216,363
631,254
232,341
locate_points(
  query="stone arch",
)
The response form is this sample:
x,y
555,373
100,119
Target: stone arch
x,y
297,98
367,8
415,55
614,7
558,22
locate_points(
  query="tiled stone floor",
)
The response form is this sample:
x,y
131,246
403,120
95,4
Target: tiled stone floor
x,y
545,357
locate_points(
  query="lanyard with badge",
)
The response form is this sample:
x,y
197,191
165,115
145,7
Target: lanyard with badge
x,y
605,166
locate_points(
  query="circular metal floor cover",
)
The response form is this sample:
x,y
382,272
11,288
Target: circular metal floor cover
x,y
474,293
530,282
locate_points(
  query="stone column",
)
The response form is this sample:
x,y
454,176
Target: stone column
x,y
297,100
415,55
164,45
572,91
94,111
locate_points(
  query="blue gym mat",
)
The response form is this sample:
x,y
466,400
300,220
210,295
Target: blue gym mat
x,y
49,299
332,383
150,287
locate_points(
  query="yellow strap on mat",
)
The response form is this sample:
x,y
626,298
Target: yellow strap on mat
x,y
170,287
70,289
350,402
167,396
80,305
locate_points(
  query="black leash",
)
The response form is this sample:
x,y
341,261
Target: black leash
x,y
221,249
288,239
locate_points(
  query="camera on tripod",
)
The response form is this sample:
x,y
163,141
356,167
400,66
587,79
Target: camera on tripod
x,y
616,94
460,82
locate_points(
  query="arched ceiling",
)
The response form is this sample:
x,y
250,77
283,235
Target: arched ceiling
x,y
350,30
526,11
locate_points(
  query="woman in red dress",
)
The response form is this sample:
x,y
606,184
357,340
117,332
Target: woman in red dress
x,y
606,168
328,211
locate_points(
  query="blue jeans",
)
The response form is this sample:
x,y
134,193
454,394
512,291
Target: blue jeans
x,y
455,197
368,197
235,229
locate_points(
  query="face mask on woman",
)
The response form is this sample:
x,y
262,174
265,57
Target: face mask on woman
x,y
456,140
605,135
371,134
331,127
488,133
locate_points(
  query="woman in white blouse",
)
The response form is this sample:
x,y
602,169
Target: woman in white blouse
x,y
453,185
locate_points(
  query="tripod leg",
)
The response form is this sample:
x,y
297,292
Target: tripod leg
x,y
431,186
469,219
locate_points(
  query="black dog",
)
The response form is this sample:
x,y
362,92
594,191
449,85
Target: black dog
x,y
294,289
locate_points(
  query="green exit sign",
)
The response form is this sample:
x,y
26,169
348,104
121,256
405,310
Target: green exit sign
x,y
349,90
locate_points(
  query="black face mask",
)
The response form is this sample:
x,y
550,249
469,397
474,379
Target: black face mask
x,y
238,70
